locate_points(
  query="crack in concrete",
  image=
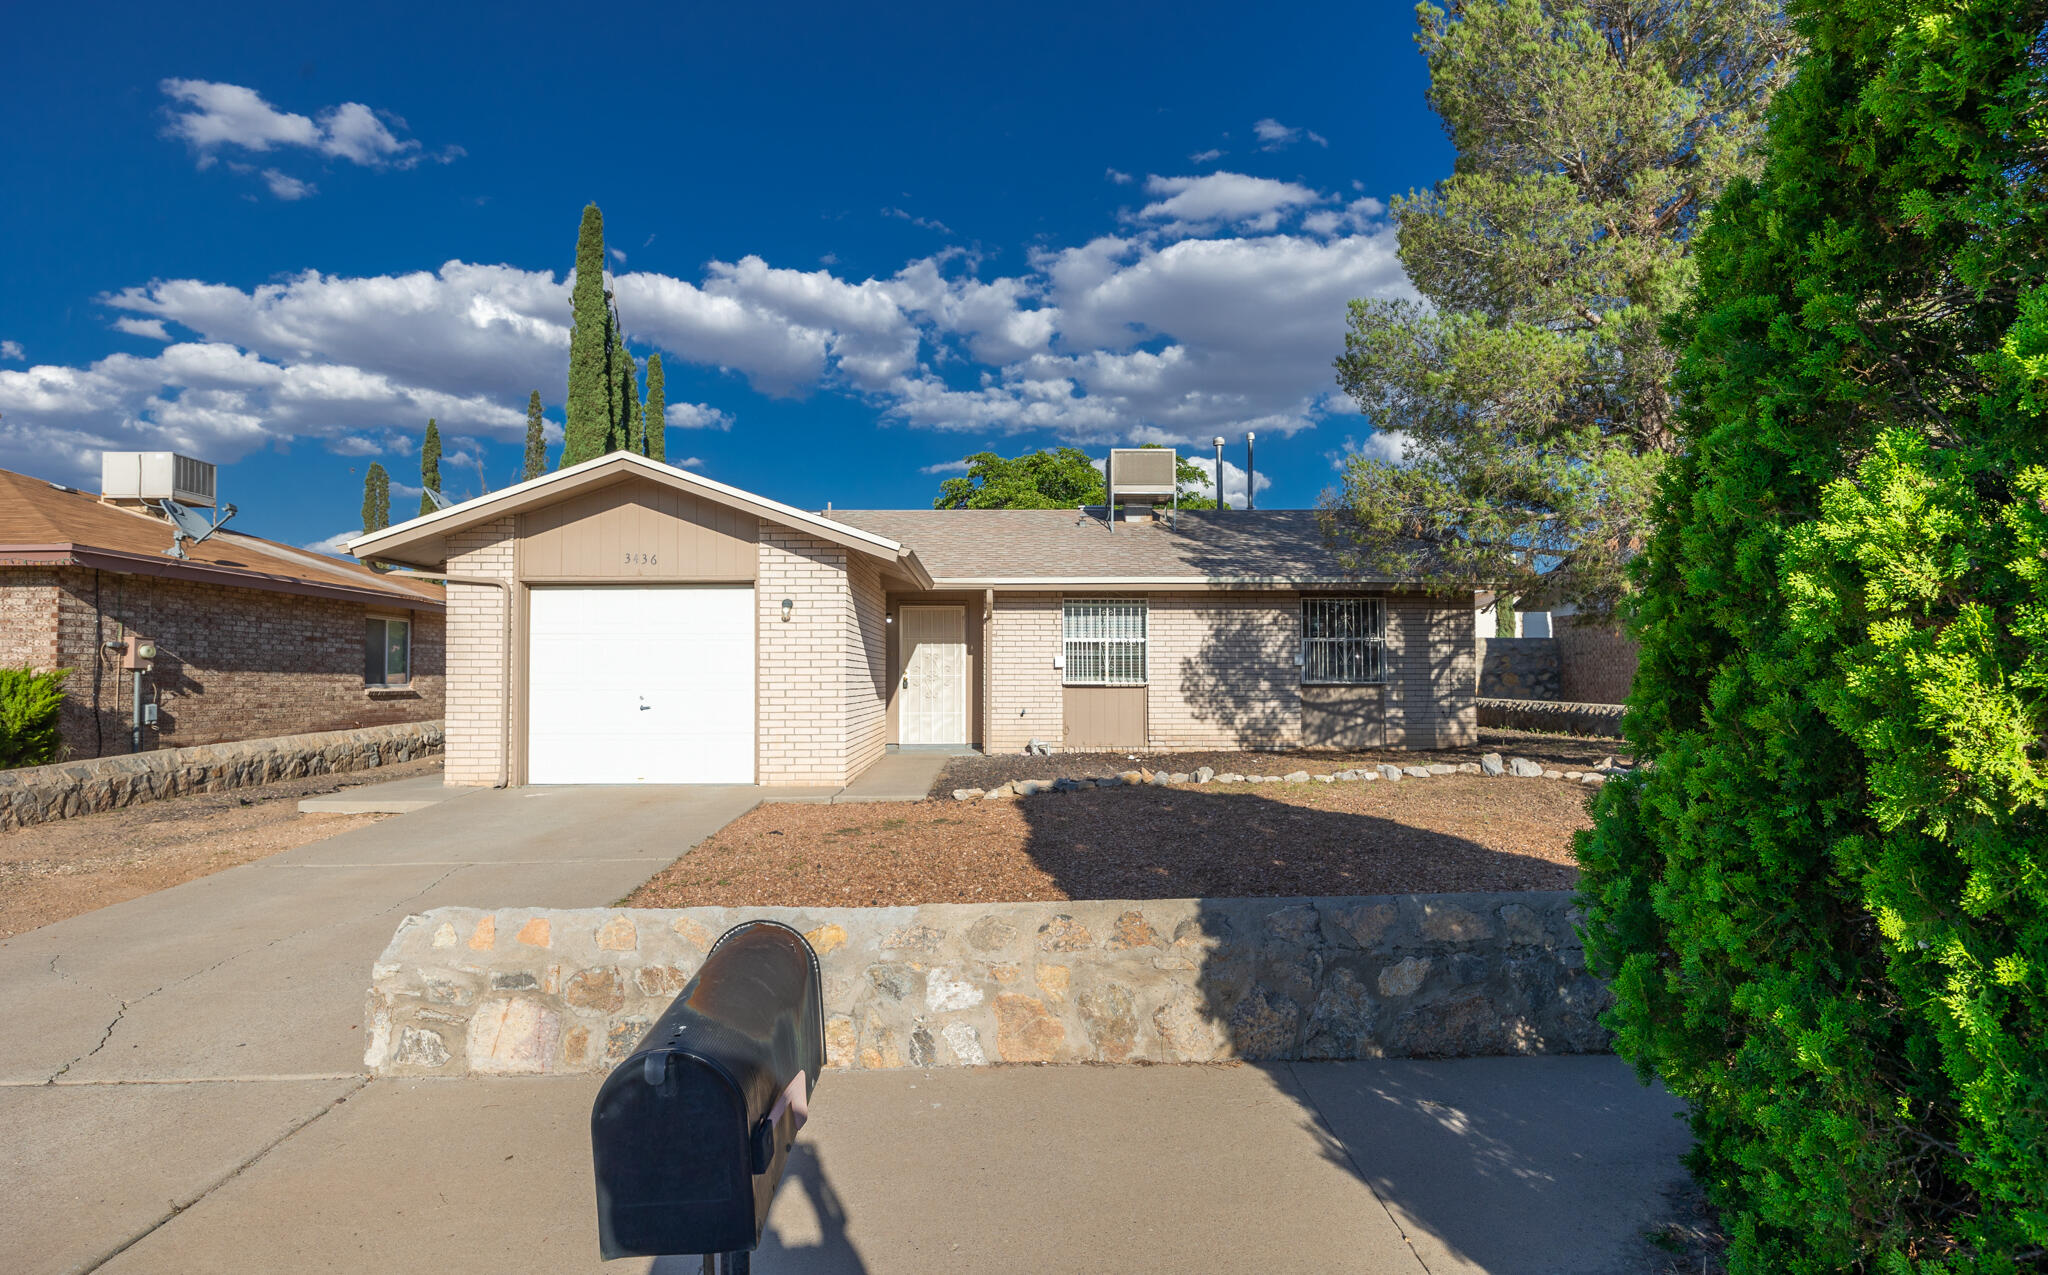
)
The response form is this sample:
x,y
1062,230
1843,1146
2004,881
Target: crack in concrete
x,y
178,1209
1308,1099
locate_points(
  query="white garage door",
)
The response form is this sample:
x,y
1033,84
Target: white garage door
x,y
641,686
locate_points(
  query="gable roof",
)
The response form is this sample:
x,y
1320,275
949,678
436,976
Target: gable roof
x,y
1022,548
423,541
43,524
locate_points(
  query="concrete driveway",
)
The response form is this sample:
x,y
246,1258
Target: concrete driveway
x,y
152,1049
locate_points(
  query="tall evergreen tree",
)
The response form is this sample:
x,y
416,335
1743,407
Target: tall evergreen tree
x,y
1531,383
430,465
536,439
376,498
656,416
1823,905
625,402
588,410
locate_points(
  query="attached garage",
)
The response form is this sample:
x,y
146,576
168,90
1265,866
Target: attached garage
x,y
640,685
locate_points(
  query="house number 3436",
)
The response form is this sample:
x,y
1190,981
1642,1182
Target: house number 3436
x,y
643,559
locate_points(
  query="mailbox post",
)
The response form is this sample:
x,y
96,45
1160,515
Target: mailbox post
x,y
690,1133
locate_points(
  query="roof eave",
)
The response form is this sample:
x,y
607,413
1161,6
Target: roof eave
x,y
71,555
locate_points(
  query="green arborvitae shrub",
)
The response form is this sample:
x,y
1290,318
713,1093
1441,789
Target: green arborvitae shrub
x,y
29,703
1824,904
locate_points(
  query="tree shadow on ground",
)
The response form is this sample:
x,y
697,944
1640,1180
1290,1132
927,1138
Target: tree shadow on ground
x,y
806,1233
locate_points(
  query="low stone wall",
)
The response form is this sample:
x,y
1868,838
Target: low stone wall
x,y
1520,668
524,991
1553,717
37,794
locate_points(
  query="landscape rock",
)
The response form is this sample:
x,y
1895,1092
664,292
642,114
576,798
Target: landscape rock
x,y
1066,785
1230,777
966,794
1389,772
1468,768
1295,777
1415,772
1553,774
1524,768
1439,768
1491,764
1203,774
1177,777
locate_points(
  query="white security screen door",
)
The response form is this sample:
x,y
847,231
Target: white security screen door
x,y
932,708
630,685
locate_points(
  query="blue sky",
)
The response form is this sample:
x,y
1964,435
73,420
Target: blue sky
x,y
867,241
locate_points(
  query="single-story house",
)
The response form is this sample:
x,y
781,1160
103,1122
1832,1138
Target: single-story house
x,y
253,638
626,621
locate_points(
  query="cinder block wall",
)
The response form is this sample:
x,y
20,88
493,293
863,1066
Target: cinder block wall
x,y
232,663
477,654
1024,701
1434,674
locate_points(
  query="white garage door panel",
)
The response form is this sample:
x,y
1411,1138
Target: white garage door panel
x,y
641,686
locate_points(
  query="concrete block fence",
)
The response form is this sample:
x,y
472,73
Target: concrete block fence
x,y
37,794
462,991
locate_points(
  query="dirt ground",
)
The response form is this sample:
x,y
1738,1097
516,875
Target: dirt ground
x,y
51,871
1561,752
1452,832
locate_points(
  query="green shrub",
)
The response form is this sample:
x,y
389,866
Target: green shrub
x,y
28,716
1824,906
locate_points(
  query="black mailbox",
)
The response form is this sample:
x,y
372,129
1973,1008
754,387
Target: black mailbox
x,y
690,1132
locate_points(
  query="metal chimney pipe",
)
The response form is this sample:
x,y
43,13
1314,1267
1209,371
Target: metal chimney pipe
x,y
1251,473
1220,502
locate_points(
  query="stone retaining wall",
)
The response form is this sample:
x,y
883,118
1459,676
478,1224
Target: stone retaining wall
x,y
37,794
1520,668
1552,717
462,991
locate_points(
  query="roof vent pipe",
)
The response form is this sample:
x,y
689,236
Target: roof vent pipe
x,y
1220,503
1251,472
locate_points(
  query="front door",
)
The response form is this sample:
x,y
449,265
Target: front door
x,y
932,697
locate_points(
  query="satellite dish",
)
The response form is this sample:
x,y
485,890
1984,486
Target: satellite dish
x,y
440,501
189,524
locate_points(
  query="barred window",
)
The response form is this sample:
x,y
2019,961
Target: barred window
x,y
1343,641
1105,642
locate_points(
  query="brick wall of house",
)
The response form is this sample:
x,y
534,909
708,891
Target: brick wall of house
x,y
476,654
231,664
28,618
1023,687
803,678
867,667
1222,670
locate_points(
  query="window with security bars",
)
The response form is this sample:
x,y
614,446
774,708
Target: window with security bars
x,y
1343,641
1105,642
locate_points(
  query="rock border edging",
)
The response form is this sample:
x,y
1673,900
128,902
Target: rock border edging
x,y
1137,777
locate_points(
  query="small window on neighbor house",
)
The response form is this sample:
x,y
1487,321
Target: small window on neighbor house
x,y
1343,641
1105,642
387,652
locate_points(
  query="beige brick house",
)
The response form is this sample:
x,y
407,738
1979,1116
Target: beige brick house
x,y
253,638
624,621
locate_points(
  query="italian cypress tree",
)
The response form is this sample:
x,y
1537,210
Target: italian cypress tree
x,y
587,412
536,439
376,498
656,416
625,402
430,465
1824,902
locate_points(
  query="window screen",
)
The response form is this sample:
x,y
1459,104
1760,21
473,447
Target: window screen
x,y
1343,641
1105,642
387,652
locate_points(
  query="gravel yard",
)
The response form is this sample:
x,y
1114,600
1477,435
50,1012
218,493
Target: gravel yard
x,y
1560,752
50,871
1451,832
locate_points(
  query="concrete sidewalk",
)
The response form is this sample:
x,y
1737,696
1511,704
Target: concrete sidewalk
x,y
246,989
899,776
1529,1165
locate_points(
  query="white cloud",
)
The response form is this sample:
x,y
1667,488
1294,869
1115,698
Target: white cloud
x,y
212,117
618,255
1255,203
1120,178
287,187
1203,157
151,328
1233,476
1273,135
945,467
336,544
1162,331
687,462
1388,445
926,223
12,350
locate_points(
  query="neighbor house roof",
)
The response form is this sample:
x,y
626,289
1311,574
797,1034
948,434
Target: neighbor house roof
x,y
1067,548
423,541
43,524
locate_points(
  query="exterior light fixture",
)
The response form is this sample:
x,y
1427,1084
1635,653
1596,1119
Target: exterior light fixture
x,y
788,606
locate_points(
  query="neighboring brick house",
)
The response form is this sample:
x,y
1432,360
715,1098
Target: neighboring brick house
x,y
663,627
253,638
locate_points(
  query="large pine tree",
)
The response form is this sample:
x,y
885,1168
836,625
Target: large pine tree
x,y
656,417
588,410
430,465
536,439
